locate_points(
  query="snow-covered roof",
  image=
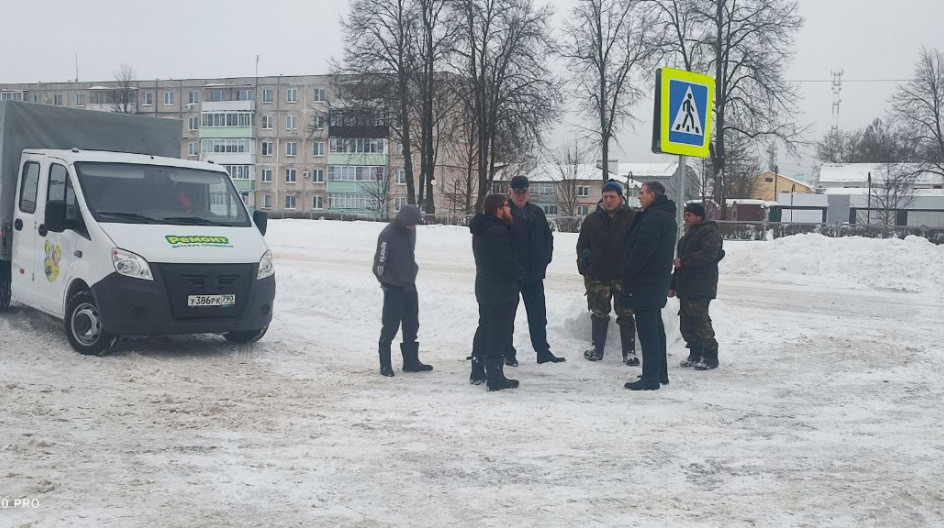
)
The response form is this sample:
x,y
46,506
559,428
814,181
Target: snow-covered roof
x,y
863,191
748,201
641,170
788,178
855,174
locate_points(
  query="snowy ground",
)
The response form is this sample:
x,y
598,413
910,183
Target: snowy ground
x,y
826,411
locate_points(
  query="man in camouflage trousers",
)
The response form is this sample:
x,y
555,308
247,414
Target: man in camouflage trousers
x,y
695,281
600,248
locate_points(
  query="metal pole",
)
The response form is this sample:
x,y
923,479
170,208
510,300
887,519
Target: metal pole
x,y
682,171
868,209
793,189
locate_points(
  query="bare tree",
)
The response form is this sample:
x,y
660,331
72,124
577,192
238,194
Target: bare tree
x,y
746,45
502,56
607,41
567,162
743,169
124,97
919,106
891,191
876,143
377,190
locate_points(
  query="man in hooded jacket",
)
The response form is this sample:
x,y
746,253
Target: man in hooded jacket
x,y
646,272
395,267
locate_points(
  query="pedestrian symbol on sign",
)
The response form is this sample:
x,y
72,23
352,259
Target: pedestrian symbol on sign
x,y
686,120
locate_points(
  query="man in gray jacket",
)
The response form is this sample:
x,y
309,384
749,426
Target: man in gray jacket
x,y
395,267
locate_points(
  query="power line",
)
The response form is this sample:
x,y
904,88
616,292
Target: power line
x,y
851,80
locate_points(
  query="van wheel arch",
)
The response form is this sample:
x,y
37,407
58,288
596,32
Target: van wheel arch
x,y
83,324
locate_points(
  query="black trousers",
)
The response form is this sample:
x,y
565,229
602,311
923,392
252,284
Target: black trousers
x,y
495,330
655,368
532,292
400,306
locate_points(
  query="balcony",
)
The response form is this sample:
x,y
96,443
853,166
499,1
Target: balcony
x,y
222,106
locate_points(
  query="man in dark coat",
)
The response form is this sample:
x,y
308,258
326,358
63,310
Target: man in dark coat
x,y
534,245
498,278
600,249
395,267
695,281
646,272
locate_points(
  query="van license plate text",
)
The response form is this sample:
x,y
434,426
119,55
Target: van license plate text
x,y
211,300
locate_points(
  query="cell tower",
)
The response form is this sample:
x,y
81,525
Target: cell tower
x,y
837,89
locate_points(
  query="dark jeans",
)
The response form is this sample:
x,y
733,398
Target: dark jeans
x,y
655,368
399,306
533,294
496,326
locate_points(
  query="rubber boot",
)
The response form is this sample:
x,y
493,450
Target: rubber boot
x,y
411,360
496,378
386,365
709,360
628,342
694,355
598,336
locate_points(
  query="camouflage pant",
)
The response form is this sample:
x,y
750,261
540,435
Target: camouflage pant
x,y
599,296
695,324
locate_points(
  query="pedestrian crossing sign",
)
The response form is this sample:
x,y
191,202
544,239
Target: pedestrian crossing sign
x,y
682,116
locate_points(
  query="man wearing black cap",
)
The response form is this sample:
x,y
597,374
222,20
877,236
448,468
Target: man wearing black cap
x,y
600,252
534,246
395,268
695,281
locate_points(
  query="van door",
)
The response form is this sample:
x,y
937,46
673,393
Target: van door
x,y
53,252
25,227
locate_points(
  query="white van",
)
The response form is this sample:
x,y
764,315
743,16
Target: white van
x,y
130,244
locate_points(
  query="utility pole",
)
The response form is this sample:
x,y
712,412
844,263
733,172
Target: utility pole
x,y
837,89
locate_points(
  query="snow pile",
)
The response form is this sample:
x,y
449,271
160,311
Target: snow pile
x,y
910,265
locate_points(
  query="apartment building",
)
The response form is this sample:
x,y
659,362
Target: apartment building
x,y
289,145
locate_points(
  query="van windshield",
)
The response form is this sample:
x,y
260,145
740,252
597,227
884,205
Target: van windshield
x,y
154,194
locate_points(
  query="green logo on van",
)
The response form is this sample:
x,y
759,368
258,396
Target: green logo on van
x,y
205,241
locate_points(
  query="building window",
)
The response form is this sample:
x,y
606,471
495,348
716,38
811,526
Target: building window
x,y
193,123
290,122
267,122
319,122
399,202
318,149
550,209
267,95
319,176
193,149
398,148
583,190
228,119
350,201
79,99
319,95
267,148
193,97
359,145
244,95
168,98
400,177
148,98
581,210
290,201
317,202
290,175
267,175
291,95
267,201
357,173
769,180
228,146
291,149
57,100
239,172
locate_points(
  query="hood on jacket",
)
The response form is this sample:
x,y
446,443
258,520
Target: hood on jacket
x,y
482,221
409,215
664,204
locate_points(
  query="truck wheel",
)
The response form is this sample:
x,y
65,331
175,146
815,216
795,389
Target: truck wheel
x,y
5,292
249,336
84,326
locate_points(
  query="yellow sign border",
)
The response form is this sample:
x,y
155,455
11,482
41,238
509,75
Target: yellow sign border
x,y
671,74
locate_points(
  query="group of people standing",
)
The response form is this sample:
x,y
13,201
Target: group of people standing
x,y
627,260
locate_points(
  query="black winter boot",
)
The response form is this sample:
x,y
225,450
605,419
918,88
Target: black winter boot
x,y
386,366
496,378
478,371
628,342
598,336
411,360
545,357
709,360
694,355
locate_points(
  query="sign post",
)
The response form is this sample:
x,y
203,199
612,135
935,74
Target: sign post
x,y
682,120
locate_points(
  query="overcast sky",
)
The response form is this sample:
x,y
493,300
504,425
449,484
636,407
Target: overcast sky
x,y
873,41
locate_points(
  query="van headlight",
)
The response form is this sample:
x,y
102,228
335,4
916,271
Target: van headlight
x,y
130,264
266,269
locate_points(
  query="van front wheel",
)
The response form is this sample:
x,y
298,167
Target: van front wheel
x,y
249,336
84,326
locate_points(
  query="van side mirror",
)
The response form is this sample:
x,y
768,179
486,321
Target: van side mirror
x,y
261,219
55,217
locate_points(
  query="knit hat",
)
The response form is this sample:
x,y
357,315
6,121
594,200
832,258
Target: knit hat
x,y
519,182
696,209
614,186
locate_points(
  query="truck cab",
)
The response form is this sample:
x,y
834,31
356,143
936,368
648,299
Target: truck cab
x,y
130,244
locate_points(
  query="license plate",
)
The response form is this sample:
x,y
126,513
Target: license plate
x,y
224,301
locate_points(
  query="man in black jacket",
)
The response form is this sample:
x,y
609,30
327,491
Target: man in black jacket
x,y
395,267
534,245
600,249
498,278
646,272
695,281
